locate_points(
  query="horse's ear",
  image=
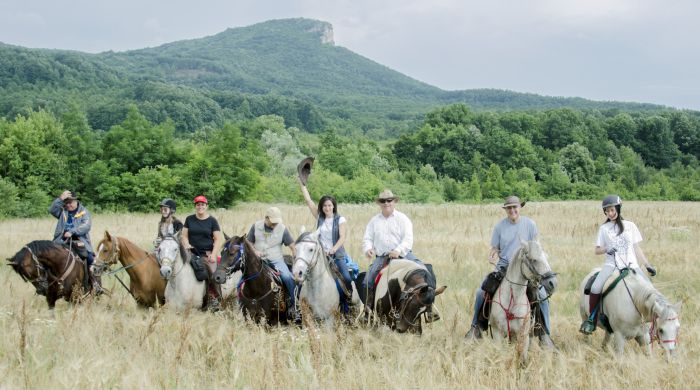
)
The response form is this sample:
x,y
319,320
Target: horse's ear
x,y
440,290
303,230
226,237
108,236
677,306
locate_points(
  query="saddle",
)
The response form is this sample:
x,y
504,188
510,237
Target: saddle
x,y
609,286
77,248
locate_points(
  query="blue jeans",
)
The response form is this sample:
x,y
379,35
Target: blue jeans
x,y
376,266
287,278
544,306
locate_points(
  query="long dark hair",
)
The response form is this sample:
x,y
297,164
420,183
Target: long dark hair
x,y
618,220
323,200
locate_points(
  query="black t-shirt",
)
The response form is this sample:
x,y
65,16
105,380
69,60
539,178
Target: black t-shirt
x,y
200,232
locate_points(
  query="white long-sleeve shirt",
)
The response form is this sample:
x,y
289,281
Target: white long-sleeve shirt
x,y
386,234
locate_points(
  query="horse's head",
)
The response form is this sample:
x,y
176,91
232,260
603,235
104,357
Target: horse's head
x,y
308,249
107,253
28,263
535,267
168,252
415,298
665,325
232,255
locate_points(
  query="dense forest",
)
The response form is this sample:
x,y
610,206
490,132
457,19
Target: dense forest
x,y
230,116
457,154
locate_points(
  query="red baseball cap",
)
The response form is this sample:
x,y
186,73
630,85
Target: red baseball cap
x,y
200,199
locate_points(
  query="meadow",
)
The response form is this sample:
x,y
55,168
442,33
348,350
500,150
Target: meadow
x,y
110,343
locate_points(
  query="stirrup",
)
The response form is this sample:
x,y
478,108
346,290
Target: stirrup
x,y
587,327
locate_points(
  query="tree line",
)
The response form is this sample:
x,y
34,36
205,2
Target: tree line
x,y
455,155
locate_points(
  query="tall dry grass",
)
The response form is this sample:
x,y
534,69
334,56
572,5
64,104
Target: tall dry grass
x,y
111,343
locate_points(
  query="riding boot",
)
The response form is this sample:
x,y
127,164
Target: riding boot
x,y
474,333
95,282
588,326
369,304
546,342
213,304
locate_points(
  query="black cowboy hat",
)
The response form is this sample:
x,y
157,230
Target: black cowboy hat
x,y
304,169
72,196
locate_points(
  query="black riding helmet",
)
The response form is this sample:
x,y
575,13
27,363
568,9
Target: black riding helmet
x,y
612,200
167,202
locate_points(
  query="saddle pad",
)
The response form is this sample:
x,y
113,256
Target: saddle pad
x,y
396,269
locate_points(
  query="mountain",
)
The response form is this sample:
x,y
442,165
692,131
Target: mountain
x,y
286,67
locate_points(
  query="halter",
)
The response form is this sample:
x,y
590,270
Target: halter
x,y
654,331
405,298
240,257
174,274
42,274
310,266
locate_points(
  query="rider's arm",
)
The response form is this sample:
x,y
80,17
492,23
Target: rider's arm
x,y
599,250
640,256
56,207
341,240
406,243
185,238
309,203
493,255
218,244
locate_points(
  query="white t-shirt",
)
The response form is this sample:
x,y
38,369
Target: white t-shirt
x,y
623,243
326,230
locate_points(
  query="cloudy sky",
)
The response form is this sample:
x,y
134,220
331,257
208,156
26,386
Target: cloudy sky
x,y
628,50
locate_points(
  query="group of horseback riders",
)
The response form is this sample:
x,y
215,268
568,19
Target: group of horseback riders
x,y
388,236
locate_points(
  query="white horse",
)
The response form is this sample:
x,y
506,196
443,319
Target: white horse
x,y
632,306
183,289
510,307
312,271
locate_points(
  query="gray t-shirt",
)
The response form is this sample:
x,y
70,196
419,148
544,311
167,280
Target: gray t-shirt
x,y
507,236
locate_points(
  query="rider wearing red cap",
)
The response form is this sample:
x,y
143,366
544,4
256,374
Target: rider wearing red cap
x,y
202,235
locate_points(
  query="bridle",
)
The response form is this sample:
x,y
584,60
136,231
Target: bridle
x,y
310,264
44,274
41,280
407,296
654,331
182,267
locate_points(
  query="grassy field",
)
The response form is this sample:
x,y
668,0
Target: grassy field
x,y
111,343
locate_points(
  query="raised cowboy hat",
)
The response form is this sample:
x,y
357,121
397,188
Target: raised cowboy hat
x,y
513,201
386,194
70,197
304,169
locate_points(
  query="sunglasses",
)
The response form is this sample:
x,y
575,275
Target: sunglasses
x,y
386,200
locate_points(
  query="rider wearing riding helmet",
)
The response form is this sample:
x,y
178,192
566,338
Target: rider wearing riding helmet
x,y
507,235
202,236
169,225
73,230
618,239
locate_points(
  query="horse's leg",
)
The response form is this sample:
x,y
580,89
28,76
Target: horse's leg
x,y
644,340
606,340
619,343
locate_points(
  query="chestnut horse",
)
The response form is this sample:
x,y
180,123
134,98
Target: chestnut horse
x,y
145,284
53,270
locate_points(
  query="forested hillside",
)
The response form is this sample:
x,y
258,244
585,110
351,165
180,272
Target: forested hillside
x,y
231,115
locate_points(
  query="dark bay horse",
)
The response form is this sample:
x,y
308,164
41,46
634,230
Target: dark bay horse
x,y
53,270
145,284
259,293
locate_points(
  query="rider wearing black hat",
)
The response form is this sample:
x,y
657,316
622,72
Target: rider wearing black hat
x,y
169,224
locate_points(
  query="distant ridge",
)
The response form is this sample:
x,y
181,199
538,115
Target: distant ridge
x,y
290,67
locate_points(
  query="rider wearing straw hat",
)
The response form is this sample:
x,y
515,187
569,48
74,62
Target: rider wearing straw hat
x,y
505,241
618,239
389,235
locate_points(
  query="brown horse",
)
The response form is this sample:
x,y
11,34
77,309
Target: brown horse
x,y
53,270
145,284
260,295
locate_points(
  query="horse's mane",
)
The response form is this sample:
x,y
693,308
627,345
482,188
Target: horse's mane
x,y
38,247
130,247
644,294
302,236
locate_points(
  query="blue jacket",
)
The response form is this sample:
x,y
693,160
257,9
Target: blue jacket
x,y
82,222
